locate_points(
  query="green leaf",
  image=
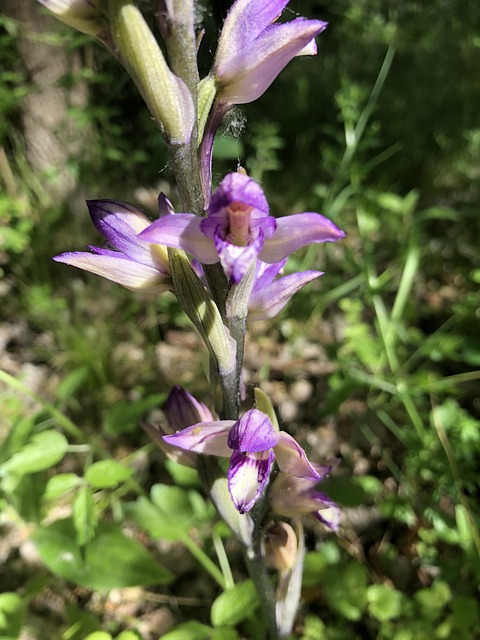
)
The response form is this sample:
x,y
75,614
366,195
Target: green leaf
x,y
431,601
182,476
127,635
61,484
45,450
12,614
107,474
384,602
110,560
347,593
125,415
99,635
234,605
84,516
191,630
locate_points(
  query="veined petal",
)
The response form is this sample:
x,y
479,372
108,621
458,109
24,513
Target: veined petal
x,y
296,231
120,223
183,409
244,22
118,268
266,273
204,437
186,458
182,231
247,476
265,302
291,458
253,432
245,76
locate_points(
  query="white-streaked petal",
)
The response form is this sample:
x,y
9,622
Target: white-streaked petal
x,y
122,270
247,477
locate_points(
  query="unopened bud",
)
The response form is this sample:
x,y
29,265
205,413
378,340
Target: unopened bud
x,y
281,547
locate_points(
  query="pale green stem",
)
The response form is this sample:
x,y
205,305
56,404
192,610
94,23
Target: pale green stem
x,y
204,560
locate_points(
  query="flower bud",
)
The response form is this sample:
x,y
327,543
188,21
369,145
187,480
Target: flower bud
x,y
166,95
280,547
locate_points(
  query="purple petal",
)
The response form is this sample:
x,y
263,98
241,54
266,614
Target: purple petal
x,y
186,458
235,260
165,207
244,22
291,458
182,231
266,273
238,187
265,302
183,409
245,76
296,231
253,432
204,437
120,223
247,476
326,510
118,268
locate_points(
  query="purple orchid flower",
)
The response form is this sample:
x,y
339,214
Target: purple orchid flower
x,y
181,410
292,496
133,263
251,53
252,443
238,229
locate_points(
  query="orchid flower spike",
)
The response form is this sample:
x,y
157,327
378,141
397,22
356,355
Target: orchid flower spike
x,y
252,443
133,263
238,229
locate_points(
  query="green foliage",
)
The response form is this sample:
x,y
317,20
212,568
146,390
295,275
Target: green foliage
x,y
234,605
110,560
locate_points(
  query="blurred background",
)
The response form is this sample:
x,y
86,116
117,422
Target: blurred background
x,y
377,362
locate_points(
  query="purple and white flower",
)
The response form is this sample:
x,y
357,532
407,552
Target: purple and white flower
x,y
238,229
292,497
252,443
133,263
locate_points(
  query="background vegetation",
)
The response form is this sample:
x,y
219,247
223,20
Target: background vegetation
x,y
378,363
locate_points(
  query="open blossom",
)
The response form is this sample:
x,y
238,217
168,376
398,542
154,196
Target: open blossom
x,y
238,229
292,496
252,443
133,263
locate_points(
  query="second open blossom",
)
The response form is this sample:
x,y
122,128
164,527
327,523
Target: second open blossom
x,y
239,228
